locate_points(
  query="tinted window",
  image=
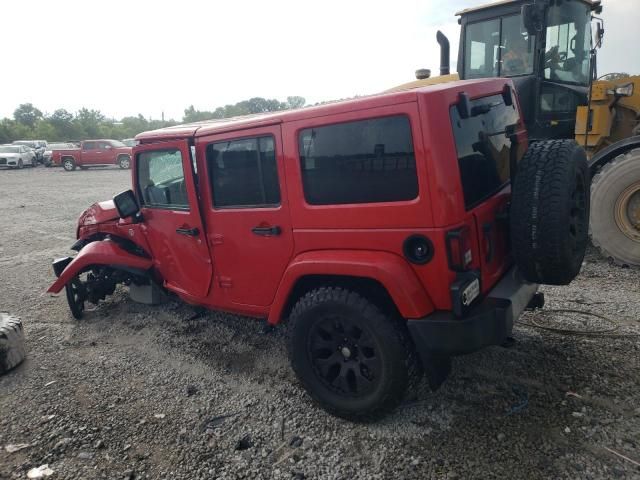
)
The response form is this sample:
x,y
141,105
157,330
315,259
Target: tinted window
x,y
359,162
161,179
484,148
89,146
244,173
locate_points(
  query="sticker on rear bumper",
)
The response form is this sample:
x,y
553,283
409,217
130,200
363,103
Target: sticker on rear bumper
x,y
470,292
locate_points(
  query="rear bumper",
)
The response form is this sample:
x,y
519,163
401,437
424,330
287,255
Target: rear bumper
x,y
488,323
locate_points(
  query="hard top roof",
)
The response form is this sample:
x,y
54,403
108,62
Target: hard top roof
x,y
591,3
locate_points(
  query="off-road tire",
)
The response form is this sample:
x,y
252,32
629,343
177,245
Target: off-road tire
x,y
12,348
68,164
550,212
34,163
607,188
124,162
387,333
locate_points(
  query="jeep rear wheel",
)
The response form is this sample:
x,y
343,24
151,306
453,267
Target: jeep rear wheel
x,y
550,212
68,164
354,360
12,348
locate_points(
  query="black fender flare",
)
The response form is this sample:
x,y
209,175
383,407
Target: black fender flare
x,y
607,154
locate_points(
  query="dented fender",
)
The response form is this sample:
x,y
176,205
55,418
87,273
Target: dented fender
x,y
104,252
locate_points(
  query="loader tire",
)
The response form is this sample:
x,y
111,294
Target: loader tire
x,y
550,212
12,349
615,216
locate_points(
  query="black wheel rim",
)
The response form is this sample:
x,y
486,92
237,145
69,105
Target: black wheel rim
x,y
577,216
344,355
76,294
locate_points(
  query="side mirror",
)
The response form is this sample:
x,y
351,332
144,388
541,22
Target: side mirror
x,y
126,204
108,147
532,18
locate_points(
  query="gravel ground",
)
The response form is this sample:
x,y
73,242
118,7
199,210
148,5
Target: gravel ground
x,y
169,392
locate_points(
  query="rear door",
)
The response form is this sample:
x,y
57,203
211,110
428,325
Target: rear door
x,y
165,186
247,213
489,143
104,153
89,153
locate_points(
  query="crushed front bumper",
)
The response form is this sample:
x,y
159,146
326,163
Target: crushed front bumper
x,y
488,323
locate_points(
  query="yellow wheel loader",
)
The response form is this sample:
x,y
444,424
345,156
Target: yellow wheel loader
x,y
548,49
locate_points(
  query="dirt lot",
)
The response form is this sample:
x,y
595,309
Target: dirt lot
x,y
164,392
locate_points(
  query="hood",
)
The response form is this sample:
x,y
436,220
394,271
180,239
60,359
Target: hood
x,y
9,155
100,212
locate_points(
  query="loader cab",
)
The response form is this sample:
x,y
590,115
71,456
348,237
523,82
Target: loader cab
x,y
544,46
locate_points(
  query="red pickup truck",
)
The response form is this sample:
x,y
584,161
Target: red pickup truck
x,y
93,153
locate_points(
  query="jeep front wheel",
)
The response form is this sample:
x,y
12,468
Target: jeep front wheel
x,y
550,212
68,164
353,359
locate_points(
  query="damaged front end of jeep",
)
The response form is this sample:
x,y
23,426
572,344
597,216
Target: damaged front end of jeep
x,y
111,251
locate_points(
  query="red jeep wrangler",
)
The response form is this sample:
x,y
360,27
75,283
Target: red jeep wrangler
x,y
93,153
382,229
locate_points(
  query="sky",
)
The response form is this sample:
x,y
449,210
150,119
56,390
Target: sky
x,y
150,57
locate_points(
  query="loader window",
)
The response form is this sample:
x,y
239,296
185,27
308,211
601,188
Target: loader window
x,y
568,44
498,48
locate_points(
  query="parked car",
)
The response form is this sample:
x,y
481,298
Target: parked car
x,y
130,142
93,153
48,153
16,156
38,146
382,229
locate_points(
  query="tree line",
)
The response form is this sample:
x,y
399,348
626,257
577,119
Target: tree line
x,y
30,123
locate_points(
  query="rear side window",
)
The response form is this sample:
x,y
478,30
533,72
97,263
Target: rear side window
x,y
89,146
365,161
484,147
244,173
161,179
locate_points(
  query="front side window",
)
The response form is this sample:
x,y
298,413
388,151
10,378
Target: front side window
x,y
484,147
498,48
359,162
161,179
568,43
244,173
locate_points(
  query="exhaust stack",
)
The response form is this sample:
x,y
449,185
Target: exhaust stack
x,y
444,53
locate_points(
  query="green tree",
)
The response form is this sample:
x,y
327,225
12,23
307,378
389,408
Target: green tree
x,y
295,102
27,114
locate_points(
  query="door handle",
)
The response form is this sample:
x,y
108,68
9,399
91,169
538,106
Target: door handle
x,y
267,231
190,232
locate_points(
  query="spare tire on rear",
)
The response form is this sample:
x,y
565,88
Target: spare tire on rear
x,y
550,212
12,349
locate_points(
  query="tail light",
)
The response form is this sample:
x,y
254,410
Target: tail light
x,y
459,249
